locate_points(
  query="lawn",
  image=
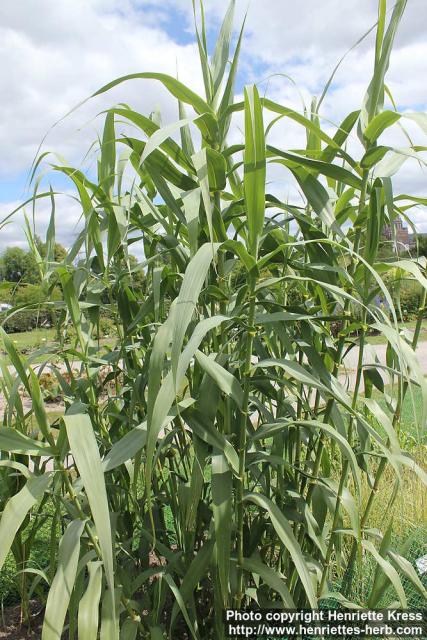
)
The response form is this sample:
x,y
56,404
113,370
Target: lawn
x,y
27,342
40,551
410,423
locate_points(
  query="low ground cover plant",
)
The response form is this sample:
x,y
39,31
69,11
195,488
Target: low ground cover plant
x,y
216,456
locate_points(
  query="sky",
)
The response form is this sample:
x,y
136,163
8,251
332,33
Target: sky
x,y
56,53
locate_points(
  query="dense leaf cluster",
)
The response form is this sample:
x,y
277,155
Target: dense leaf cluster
x,y
224,458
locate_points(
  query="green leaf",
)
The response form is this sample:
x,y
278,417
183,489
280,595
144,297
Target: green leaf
x,y
88,618
38,406
110,615
239,249
343,131
160,346
383,419
165,396
159,168
203,54
191,202
127,447
129,630
375,223
381,122
419,118
317,197
222,514
222,48
194,575
408,361
268,430
161,135
76,314
281,316
84,449
408,570
286,535
223,378
228,95
7,219
408,461
324,168
185,133
330,487
14,441
411,267
18,466
308,124
16,510
300,373
393,160
169,146
180,602
50,234
192,283
254,167
63,583
200,161
389,571
373,156
107,172
374,98
217,168
15,359
272,577
176,88
208,433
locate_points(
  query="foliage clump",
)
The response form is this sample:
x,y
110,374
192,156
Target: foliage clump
x,y
225,458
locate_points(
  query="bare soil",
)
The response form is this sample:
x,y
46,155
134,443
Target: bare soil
x,y
11,627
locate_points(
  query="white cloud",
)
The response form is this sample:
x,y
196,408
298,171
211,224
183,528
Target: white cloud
x,y
54,54
284,29
67,226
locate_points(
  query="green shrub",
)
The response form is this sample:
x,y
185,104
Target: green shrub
x,y
406,293
29,294
51,389
7,290
35,312
106,327
27,319
408,296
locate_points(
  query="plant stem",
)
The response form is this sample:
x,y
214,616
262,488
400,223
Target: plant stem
x,y
330,402
345,468
383,463
242,441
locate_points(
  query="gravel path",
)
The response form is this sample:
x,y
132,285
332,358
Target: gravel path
x,y
375,353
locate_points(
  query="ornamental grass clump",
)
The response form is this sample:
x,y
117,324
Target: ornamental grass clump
x,y
226,459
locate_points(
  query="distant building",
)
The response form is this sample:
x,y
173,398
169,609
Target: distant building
x,y
403,238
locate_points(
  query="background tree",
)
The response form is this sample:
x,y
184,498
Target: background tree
x,y
422,245
138,276
59,252
18,265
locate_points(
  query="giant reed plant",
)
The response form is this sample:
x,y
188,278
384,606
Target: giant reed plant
x,y
216,456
